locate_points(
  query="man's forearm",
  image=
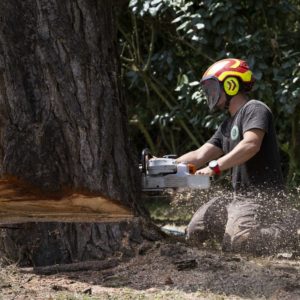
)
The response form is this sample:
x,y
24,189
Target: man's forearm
x,y
201,156
190,158
241,153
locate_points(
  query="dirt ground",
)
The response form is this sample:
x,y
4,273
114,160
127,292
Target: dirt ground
x,y
168,269
163,270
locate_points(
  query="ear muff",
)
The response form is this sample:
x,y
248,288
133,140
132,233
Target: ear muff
x,y
231,86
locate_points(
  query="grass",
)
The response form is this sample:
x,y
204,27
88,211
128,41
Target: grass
x,y
163,211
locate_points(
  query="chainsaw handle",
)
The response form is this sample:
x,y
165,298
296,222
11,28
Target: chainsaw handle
x,y
174,156
145,157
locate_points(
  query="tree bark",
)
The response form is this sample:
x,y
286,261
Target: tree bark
x,y
63,120
62,112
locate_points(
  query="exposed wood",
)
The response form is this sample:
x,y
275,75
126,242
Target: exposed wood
x,y
20,203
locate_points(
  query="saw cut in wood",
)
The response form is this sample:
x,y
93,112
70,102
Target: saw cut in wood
x,y
20,203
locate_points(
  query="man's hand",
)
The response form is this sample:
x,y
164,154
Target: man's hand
x,y
205,171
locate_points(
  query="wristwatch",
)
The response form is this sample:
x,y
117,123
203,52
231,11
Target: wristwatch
x,y
215,167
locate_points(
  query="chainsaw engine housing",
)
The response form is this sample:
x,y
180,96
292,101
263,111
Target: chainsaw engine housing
x,y
163,173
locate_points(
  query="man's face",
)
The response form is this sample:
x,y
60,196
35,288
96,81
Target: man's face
x,y
222,101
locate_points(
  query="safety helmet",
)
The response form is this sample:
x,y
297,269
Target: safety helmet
x,y
230,74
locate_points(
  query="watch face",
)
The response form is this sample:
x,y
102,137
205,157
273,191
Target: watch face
x,y
213,164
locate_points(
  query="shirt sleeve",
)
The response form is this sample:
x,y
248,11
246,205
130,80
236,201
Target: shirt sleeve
x,y
217,139
256,116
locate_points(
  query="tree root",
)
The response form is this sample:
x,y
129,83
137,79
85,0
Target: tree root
x,y
91,265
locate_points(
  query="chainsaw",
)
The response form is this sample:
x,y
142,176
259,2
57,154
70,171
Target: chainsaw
x,y
159,174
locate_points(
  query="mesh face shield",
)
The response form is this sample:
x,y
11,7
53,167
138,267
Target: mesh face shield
x,y
212,90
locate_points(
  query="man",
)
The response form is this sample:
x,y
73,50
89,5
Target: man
x,y
255,218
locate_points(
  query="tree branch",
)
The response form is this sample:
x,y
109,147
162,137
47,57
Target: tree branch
x,y
151,47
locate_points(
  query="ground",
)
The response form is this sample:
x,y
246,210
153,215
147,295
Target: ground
x,y
163,270
168,269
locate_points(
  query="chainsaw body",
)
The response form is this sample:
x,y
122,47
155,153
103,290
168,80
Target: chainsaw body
x,y
163,173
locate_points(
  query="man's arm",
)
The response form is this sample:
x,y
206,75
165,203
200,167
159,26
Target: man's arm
x,y
244,150
201,156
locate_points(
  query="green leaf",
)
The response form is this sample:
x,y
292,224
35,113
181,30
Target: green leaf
x,y
194,83
154,2
154,10
133,3
196,95
184,79
200,26
183,25
178,19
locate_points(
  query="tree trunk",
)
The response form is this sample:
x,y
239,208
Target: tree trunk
x,y
63,121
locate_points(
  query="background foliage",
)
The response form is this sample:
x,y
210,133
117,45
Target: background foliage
x,y
165,47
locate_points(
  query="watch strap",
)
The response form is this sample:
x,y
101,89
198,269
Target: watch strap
x,y
215,167
217,170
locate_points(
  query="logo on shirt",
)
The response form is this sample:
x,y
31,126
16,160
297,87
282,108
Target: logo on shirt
x,y
234,134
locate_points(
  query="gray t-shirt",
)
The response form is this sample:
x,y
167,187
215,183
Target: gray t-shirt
x,y
263,169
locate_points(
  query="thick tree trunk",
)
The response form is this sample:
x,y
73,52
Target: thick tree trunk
x,y
63,115
41,244
63,118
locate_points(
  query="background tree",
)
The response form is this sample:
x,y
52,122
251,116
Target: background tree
x,y
64,122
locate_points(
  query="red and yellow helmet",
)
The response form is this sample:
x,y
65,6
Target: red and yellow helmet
x,y
230,67
229,73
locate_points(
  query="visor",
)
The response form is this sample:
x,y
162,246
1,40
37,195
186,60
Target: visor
x,y
212,90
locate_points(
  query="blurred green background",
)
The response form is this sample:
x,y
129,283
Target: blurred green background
x,y
166,45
